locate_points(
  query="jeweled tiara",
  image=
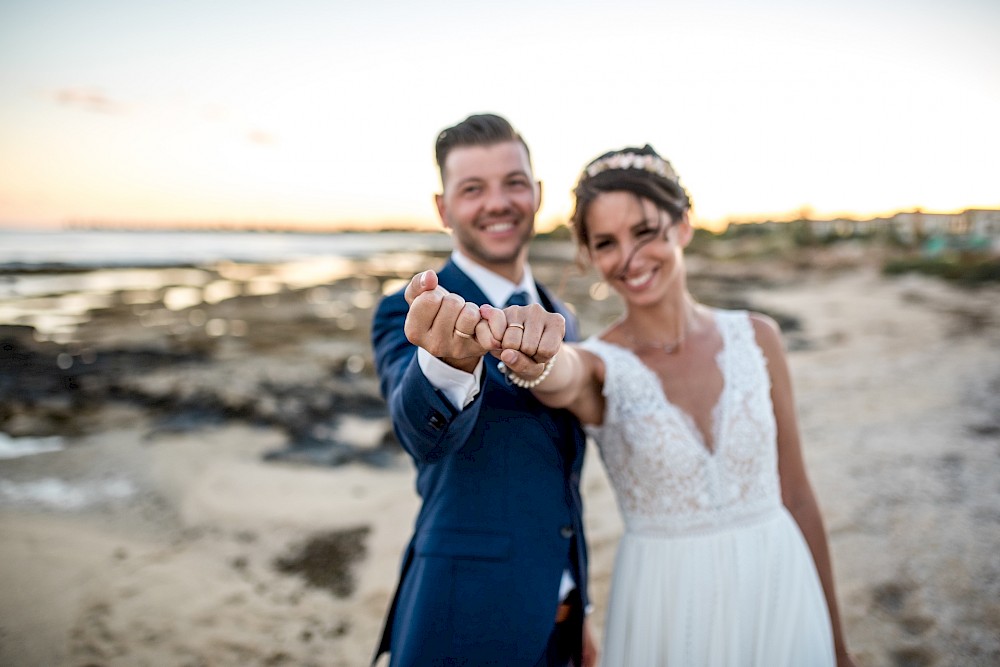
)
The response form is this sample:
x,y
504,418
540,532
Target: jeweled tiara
x,y
651,163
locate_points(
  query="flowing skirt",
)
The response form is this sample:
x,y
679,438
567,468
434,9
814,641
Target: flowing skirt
x,y
748,595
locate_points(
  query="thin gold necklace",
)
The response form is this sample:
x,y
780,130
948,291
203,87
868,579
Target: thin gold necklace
x,y
667,348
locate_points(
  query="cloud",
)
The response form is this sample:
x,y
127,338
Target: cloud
x,y
87,99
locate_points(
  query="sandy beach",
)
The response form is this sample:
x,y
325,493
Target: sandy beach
x,y
233,497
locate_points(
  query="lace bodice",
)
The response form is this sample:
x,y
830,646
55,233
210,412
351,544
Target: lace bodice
x,y
665,480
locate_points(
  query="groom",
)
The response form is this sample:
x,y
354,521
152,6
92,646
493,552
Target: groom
x,y
496,570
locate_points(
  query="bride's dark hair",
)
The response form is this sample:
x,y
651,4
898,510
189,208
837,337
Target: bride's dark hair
x,y
640,171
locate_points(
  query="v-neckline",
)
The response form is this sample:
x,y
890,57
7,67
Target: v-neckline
x,y
718,411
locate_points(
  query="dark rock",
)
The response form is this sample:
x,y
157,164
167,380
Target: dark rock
x,y
325,560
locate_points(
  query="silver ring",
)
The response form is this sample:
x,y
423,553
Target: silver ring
x,y
462,334
516,325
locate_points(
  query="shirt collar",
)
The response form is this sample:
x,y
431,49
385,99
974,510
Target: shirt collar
x,y
496,288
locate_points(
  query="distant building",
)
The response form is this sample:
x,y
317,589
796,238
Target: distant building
x,y
914,226
983,223
974,227
843,227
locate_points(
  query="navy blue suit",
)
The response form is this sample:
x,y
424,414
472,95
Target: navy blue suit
x,y
501,513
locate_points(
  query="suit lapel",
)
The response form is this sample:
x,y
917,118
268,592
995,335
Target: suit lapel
x,y
455,281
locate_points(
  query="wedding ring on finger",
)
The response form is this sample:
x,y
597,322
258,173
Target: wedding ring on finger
x,y
462,334
516,325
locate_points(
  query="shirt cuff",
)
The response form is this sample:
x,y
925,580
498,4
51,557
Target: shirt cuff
x,y
459,387
566,585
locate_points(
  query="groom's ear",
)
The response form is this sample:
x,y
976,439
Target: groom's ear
x,y
441,207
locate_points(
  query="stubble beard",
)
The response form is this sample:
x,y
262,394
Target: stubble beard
x,y
479,252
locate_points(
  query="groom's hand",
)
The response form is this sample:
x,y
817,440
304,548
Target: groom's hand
x,y
444,324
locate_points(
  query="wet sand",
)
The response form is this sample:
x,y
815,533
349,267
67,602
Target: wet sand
x,y
237,500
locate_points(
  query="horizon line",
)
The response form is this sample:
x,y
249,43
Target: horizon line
x,y
425,226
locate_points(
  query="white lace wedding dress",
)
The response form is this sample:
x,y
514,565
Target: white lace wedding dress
x,y
711,569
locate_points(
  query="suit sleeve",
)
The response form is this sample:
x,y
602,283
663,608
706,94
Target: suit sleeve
x,y
426,423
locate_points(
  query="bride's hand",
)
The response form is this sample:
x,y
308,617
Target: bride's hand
x,y
530,336
590,652
845,660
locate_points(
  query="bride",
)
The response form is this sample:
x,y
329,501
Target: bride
x,y
724,559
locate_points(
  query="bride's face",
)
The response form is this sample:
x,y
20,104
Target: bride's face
x,y
635,246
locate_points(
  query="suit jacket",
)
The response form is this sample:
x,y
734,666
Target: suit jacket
x,y
501,517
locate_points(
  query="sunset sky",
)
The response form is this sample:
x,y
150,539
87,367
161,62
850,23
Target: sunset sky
x,y
324,112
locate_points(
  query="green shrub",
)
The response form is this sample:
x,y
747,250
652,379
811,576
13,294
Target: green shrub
x,y
965,268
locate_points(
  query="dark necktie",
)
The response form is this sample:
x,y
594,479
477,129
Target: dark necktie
x,y
518,298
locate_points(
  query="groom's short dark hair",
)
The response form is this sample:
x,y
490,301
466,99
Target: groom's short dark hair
x,y
477,130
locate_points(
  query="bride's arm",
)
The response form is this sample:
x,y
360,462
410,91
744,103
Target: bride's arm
x,y
575,382
796,491
561,375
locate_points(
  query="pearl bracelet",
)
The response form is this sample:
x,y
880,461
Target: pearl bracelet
x,y
519,381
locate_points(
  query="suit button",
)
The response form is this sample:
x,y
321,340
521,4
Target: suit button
x,y
436,419
566,531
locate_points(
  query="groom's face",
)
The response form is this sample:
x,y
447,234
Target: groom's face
x,y
489,201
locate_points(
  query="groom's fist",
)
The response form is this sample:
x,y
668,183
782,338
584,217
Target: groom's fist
x,y
444,324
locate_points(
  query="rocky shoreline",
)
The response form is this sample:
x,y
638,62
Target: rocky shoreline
x,y
296,358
